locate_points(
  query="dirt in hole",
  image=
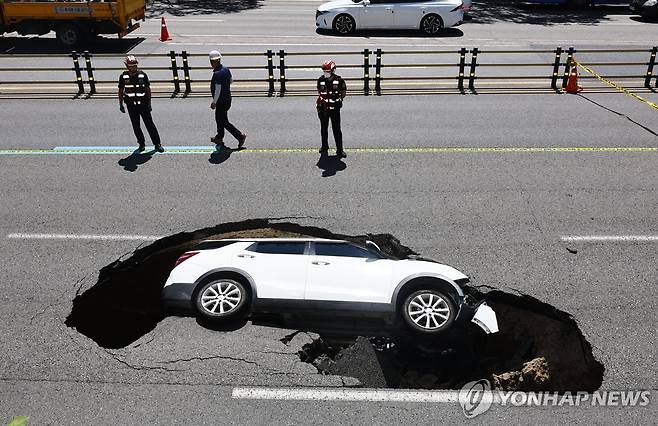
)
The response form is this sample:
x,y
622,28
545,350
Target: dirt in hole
x,y
539,348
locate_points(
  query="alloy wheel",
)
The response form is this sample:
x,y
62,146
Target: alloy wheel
x,y
432,24
344,24
429,311
221,298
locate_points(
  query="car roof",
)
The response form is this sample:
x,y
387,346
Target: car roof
x,y
282,240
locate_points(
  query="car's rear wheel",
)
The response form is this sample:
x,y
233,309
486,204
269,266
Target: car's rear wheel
x,y
344,24
428,311
431,24
221,299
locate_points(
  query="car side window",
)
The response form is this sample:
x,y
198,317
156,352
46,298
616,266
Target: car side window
x,y
342,250
278,247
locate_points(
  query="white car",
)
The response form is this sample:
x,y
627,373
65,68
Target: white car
x,y
326,280
429,16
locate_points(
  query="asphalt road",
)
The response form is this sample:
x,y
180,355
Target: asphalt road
x,y
500,216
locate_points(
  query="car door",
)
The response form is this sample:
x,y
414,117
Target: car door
x,y
347,273
408,13
278,268
378,14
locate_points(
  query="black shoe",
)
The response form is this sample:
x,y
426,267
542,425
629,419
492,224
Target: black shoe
x,y
341,154
323,150
159,148
217,140
243,138
220,145
141,147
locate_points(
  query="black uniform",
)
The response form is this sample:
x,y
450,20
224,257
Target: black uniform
x,y
329,104
139,105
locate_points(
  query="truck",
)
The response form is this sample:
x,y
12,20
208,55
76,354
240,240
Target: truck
x,y
74,22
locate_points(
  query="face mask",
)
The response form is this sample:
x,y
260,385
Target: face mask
x,y
327,74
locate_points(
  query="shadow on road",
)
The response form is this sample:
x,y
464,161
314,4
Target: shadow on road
x,y
330,165
155,8
445,33
134,160
221,154
21,45
540,14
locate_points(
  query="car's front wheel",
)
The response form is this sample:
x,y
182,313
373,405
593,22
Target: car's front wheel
x,y
428,311
222,299
344,24
431,24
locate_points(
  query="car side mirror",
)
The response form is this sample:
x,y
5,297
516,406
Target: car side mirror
x,y
373,246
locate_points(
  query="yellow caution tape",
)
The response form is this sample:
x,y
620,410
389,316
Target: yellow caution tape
x,y
615,85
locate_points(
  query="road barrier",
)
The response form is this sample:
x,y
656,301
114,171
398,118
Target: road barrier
x,y
367,72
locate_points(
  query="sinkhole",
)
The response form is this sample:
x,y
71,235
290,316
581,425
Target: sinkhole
x,y
539,347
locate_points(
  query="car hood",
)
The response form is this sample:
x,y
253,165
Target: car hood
x,y
412,267
334,4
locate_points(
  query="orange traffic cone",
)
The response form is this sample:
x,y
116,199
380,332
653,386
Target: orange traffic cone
x,y
572,83
164,34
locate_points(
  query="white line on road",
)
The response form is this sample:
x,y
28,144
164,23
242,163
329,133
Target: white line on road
x,y
610,238
371,395
83,237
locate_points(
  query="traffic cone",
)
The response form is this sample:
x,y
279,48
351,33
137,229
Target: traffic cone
x,y
572,83
164,34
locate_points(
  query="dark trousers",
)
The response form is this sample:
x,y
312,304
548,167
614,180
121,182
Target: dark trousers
x,y
142,110
221,117
325,117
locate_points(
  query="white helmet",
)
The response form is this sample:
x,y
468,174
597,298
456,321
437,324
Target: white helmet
x,y
214,55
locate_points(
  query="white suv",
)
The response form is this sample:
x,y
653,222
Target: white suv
x,y
323,279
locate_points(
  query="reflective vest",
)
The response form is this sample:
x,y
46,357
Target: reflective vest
x,y
134,87
330,90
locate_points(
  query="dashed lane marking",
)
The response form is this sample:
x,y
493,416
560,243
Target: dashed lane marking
x,y
610,238
296,394
20,236
204,149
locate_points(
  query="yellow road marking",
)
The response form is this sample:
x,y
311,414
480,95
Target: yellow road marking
x,y
422,150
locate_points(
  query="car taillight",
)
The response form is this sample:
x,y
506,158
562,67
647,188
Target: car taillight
x,y
462,7
183,257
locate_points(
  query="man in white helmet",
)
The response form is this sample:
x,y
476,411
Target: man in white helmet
x,y
135,91
220,88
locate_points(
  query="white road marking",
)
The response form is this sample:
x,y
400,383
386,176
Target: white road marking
x,y
371,395
21,236
610,238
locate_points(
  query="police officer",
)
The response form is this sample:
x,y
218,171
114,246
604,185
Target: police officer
x,y
135,91
332,90
220,88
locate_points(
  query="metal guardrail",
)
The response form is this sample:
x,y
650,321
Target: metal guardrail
x,y
376,72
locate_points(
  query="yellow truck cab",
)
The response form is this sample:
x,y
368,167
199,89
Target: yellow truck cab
x,y
72,21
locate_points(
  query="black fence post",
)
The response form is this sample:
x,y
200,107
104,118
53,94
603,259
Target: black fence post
x,y
90,73
378,72
567,66
186,73
366,72
270,72
471,74
462,65
78,72
282,72
556,67
174,71
652,62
